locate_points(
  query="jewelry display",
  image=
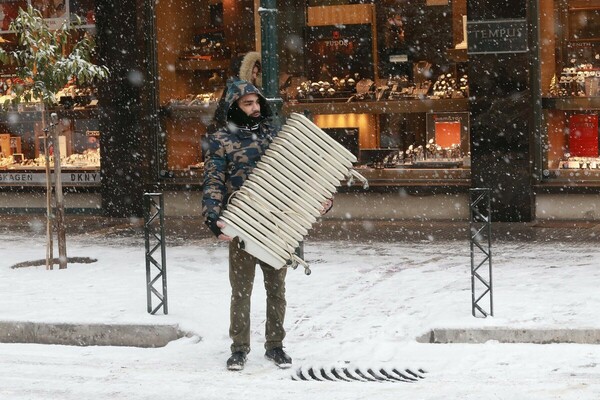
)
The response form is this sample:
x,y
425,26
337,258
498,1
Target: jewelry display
x,y
397,87
578,81
337,90
579,162
200,99
86,153
431,155
207,47
89,158
448,87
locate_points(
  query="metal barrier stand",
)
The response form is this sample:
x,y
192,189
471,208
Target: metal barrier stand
x,y
154,222
481,249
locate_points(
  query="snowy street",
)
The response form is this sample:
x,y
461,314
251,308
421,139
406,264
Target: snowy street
x,y
364,306
427,171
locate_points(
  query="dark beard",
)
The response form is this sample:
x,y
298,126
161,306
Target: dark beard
x,y
240,118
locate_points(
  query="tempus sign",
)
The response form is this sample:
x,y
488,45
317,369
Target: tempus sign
x,y
497,36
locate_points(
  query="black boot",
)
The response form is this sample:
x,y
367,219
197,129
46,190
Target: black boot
x,y
279,357
236,361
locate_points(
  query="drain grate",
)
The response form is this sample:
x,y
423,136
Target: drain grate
x,y
346,374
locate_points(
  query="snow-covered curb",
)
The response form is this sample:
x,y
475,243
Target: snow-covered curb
x,y
89,334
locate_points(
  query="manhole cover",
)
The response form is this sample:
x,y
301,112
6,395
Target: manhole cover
x,y
352,374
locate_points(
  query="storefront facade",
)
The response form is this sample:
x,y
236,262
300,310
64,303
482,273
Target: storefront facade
x,y
513,106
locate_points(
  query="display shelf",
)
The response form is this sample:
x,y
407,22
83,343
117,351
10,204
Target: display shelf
x,y
387,177
79,113
570,187
381,107
377,177
28,116
574,175
570,181
203,112
571,103
416,176
191,64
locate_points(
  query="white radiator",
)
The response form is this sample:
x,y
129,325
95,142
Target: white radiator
x,y
282,198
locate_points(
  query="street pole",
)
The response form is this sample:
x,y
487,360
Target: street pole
x,y
269,54
270,57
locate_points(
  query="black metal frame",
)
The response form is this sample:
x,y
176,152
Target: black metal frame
x,y
480,239
153,212
159,169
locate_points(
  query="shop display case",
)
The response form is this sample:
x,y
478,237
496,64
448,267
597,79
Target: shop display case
x,y
22,157
361,73
397,147
195,46
570,71
23,127
410,110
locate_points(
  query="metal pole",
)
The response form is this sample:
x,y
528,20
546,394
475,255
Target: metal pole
x,y
481,251
270,57
159,142
153,215
163,253
147,212
536,90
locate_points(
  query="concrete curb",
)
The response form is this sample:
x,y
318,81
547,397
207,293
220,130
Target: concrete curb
x,y
89,334
508,335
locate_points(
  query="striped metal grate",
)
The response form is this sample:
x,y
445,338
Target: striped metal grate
x,y
346,374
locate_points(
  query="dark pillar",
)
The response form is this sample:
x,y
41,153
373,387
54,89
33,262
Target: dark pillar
x,y
501,108
127,106
270,56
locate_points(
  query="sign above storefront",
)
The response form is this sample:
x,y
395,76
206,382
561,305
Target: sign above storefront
x,y
75,178
497,36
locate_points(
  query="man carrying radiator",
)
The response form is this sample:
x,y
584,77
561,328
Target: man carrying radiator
x,y
232,153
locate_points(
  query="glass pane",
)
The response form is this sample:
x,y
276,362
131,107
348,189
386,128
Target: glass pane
x,y
570,71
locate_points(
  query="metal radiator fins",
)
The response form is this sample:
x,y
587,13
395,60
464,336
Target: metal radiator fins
x,y
282,198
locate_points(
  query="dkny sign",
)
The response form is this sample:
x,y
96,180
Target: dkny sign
x,y
497,36
39,178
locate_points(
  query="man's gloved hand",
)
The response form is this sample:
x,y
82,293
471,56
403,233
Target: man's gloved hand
x,y
215,226
211,222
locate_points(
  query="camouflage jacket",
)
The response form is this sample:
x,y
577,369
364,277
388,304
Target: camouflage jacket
x,y
230,158
232,152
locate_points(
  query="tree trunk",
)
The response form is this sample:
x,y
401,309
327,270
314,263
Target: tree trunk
x,y
49,226
58,191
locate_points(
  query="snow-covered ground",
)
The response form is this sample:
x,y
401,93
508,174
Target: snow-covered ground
x,y
364,305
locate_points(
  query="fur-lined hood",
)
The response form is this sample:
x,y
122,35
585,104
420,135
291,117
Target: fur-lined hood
x,y
248,62
238,89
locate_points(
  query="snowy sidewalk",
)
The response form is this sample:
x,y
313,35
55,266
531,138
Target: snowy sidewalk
x,y
364,305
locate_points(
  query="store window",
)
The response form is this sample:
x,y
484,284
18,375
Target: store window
x,y
394,74
387,79
196,43
22,134
570,76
